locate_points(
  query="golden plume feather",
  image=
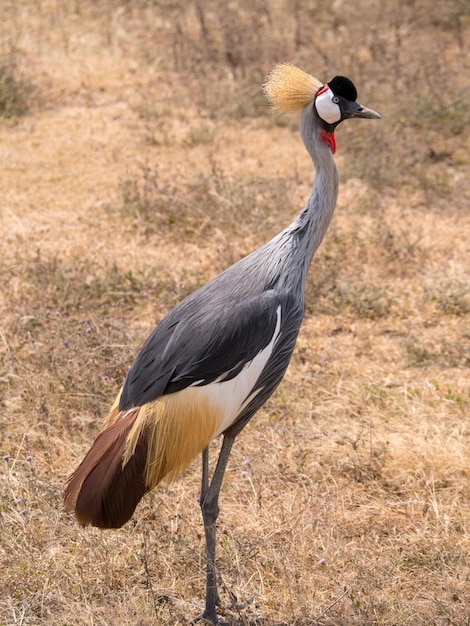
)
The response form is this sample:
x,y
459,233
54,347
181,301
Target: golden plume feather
x,y
288,88
165,423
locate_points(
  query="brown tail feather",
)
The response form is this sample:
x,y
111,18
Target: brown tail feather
x,y
135,451
102,491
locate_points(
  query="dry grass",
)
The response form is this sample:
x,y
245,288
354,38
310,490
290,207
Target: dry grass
x,y
142,163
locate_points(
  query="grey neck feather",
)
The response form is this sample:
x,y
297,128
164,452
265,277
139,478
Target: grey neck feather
x,y
285,259
316,216
301,238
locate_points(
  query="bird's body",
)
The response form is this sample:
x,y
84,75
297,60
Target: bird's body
x,y
210,364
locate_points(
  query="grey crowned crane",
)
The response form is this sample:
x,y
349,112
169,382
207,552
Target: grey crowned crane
x,y
215,359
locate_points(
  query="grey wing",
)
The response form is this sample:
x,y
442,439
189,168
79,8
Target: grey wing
x,y
275,368
200,342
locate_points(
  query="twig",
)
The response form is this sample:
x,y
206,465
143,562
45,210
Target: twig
x,y
328,608
147,573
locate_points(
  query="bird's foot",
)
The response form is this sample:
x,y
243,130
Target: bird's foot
x,y
209,615
212,618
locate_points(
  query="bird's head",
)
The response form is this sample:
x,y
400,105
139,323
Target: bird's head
x,y
288,88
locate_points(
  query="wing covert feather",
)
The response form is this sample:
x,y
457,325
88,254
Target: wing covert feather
x,y
199,342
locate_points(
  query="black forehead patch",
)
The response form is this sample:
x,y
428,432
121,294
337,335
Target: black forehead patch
x,y
343,87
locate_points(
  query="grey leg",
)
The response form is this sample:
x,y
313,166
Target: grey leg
x,y
209,501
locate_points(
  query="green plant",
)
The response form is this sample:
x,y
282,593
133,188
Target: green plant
x,y
16,91
452,296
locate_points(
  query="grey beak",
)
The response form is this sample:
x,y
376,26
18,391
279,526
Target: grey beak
x,y
354,109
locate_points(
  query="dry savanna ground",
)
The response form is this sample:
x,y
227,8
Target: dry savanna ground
x,y
139,159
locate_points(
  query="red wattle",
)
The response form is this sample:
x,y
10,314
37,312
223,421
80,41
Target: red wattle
x,y
329,139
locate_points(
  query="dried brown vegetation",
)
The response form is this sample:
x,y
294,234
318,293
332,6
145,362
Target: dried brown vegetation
x,y
138,159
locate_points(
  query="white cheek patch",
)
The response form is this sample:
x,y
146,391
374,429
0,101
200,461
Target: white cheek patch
x,y
328,110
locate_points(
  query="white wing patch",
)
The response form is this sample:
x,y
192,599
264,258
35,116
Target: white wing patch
x,y
229,397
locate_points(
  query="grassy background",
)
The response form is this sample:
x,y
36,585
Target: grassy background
x,y
138,159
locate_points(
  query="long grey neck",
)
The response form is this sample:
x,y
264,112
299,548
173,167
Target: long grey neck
x,y
312,223
286,258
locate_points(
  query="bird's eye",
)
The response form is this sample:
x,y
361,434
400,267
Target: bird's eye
x,y
335,99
